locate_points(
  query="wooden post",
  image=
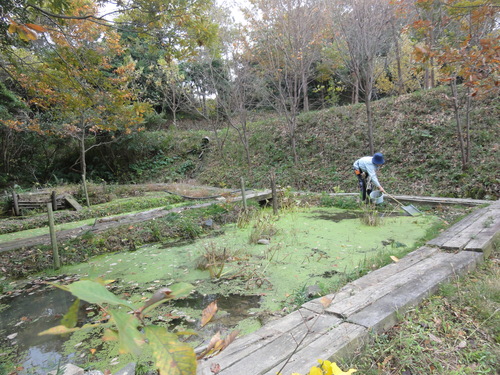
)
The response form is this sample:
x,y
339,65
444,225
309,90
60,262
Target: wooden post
x,y
275,196
15,204
243,196
54,201
53,239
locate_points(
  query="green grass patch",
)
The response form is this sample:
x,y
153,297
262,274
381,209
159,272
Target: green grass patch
x,y
456,331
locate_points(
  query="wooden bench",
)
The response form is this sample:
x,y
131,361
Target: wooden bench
x,y
32,201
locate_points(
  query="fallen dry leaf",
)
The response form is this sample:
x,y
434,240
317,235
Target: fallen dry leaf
x,y
325,301
215,368
462,344
208,313
435,339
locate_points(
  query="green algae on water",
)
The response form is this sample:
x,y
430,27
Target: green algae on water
x,y
308,248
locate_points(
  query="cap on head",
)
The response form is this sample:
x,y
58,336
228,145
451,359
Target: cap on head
x,y
378,158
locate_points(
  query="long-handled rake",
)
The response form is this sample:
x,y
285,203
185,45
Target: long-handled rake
x,y
410,209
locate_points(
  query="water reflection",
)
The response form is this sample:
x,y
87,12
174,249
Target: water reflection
x,y
26,316
29,314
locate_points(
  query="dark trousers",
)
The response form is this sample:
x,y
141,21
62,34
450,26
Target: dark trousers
x,y
363,184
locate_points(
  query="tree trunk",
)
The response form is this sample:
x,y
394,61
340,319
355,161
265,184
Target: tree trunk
x,y
401,88
306,89
468,146
355,91
293,139
83,164
245,140
433,77
458,120
370,123
174,107
431,60
426,77
242,132
369,116
204,105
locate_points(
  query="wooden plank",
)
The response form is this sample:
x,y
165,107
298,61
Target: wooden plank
x,y
382,274
484,240
247,345
443,200
339,342
101,227
263,195
35,193
383,313
455,229
460,240
73,203
371,294
419,199
374,277
275,352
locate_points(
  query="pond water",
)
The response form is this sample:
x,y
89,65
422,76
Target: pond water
x,y
252,284
29,314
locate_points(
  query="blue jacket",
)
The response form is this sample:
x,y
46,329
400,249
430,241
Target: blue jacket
x,y
365,164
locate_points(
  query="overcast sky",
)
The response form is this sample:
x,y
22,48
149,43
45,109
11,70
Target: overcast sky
x,y
234,5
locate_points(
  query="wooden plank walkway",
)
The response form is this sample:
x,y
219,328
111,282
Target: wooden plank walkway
x,y
423,200
476,232
370,304
442,200
106,223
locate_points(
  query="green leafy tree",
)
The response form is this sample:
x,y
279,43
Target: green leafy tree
x,y
401,75
179,27
73,90
162,36
169,81
12,109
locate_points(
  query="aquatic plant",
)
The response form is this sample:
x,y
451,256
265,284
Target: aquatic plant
x,y
214,259
264,228
371,216
131,330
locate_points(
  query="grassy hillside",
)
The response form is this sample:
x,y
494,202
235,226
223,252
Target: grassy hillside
x,y
416,133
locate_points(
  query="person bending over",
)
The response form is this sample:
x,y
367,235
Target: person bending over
x,y
366,169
